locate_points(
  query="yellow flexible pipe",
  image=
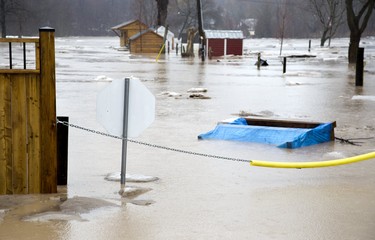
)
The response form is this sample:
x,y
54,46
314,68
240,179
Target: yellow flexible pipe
x,y
161,50
328,163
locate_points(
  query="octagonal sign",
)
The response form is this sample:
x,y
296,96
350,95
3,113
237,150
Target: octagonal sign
x,y
110,107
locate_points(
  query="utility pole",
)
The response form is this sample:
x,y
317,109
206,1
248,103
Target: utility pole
x,y
201,31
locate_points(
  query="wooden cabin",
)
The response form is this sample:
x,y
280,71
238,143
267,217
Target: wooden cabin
x,y
147,41
224,42
128,29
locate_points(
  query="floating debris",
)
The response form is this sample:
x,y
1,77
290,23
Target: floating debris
x,y
359,97
116,176
262,63
171,94
142,202
264,113
290,83
301,56
132,192
198,96
353,141
103,78
197,90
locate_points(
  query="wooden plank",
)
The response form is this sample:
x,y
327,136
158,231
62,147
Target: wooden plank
x,y
48,134
3,164
5,136
37,56
283,123
33,133
19,140
19,71
19,40
4,88
8,136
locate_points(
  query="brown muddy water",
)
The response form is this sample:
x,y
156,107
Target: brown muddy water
x,y
208,198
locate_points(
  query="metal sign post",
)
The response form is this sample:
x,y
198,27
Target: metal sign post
x,y
125,134
129,119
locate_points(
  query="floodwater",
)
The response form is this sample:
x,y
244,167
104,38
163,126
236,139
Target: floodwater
x,y
208,198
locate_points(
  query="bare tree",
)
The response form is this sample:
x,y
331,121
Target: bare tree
x,y
191,32
358,15
330,15
3,19
162,12
7,8
187,10
185,14
282,23
145,11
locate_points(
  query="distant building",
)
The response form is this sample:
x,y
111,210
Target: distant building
x,y
224,42
139,38
248,26
169,41
128,29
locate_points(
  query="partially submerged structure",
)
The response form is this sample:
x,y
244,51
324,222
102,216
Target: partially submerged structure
x,y
147,41
224,42
128,29
169,37
140,38
282,133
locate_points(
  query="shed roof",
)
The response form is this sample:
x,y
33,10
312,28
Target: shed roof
x,y
135,36
224,34
121,25
161,31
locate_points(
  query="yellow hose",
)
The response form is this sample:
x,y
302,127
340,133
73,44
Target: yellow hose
x,y
328,163
161,50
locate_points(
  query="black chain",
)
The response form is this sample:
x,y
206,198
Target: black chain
x,y
153,145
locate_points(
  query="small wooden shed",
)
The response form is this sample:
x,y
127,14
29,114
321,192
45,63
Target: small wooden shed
x,y
224,42
128,29
147,41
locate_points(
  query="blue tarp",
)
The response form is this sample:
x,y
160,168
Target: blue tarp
x,y
238,130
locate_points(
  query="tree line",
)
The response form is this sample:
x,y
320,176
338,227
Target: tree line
x,y
274,18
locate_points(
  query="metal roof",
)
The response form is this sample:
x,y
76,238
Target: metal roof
x,y
124,24
224,34
152,30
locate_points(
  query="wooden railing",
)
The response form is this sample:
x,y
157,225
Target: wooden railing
x,y
23,41
28,146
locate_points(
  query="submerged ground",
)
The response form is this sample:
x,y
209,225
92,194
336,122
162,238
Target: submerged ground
x,y
208,198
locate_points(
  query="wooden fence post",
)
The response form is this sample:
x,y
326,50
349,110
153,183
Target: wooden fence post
x,y
48,134
62,151
5,136
359,68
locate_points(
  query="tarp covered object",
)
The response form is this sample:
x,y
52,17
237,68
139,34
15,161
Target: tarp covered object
x,y
283,137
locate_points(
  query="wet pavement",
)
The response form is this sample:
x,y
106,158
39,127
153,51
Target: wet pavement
x,y
208,198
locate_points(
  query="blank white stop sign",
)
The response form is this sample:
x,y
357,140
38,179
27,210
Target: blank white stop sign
x,y
110,107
